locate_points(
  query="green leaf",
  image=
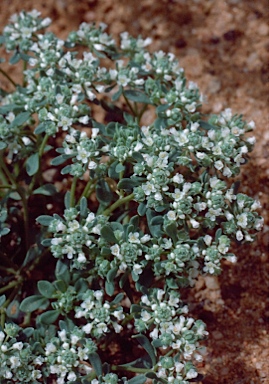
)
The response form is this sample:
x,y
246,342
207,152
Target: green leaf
x,y
60,285
44,220
138,157
142,209
67,200
59,160
127,184
117,94
110,288
13,310
108,234
62,272
32,303
137,96
218,234
15,196
137,380
2,145
206,125
31,254
171,231
49,317
112,274
117,299
103,192
145,343
15,58
96,363
46,242
46,289
40,128
83,207
20,119
32,164
156,220
66,170
120,168
46,189
2,300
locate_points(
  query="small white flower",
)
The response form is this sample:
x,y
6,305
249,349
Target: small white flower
x,y
115,250
50,348
84,119
218,164
87,328
194,223
239,235
134,238
18,346
242,220
208,240
191,374
144,239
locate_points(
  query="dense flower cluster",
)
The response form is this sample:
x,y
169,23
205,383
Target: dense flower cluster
x,y
149,208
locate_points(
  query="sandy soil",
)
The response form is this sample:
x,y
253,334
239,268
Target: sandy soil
x,y
223,46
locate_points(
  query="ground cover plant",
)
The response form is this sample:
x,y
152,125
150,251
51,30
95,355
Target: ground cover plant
x,y
93,261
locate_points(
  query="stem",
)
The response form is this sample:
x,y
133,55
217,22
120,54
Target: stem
x,y
43,144
130,369
8,174
129,104
12,284
8,77
25,216
117,204
73,190
8,270
24,77
88,189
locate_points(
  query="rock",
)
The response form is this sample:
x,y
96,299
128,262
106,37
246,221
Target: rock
x,y
211,282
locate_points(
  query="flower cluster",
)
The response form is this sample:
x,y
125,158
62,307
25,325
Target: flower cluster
x,y
18,362
100,315
73,238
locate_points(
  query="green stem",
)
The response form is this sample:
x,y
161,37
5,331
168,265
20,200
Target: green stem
x,y
12,284
8,270
24,77
7,173
72,191
117,204
129,104
8,77
129,369
25,216
43,144
88,189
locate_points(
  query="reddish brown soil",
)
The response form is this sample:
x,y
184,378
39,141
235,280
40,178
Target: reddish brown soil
x,y
223,46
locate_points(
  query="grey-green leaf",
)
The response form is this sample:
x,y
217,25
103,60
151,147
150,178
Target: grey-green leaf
x,y
46,289
145,343
137,96
32,164
32,303
44,220
46,189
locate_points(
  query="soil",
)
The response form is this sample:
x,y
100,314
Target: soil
x,y
223,45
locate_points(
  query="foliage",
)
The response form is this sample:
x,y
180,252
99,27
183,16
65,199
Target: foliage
x,y
103,219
